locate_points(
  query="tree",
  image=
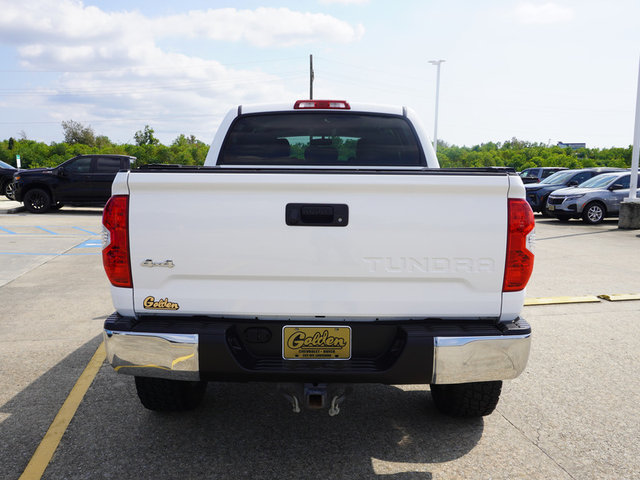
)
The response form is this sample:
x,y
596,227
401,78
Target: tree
x,y
182,140
75,132
11,143
145,137
103,141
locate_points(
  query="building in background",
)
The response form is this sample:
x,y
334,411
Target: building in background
x,y
575,146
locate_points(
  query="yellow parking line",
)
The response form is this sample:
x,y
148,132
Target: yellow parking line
x,y
618,297
560,300
43,454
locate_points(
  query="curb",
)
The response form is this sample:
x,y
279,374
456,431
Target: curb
x,y
16,210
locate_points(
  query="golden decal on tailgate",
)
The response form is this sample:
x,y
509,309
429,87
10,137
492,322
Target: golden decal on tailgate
x,y
150,303
316,342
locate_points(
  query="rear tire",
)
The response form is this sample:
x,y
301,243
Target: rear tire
x,y
163,395
593,213
467,400
9,191
37,200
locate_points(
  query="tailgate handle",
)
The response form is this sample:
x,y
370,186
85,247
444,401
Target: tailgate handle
x,y
317,214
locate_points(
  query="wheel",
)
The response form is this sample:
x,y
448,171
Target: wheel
x,y
37,200
163,395
563,218
467,400
9,190
593,213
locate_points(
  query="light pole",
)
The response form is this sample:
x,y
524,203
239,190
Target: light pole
x,y
633,187
630,207
435,128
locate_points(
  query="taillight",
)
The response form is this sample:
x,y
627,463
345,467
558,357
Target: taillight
x,y
115,241
322,104
520,237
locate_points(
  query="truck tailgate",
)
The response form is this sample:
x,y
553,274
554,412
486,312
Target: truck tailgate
x,y
415,245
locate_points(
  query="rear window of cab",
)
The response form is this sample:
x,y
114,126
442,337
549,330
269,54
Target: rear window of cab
x,y
321,138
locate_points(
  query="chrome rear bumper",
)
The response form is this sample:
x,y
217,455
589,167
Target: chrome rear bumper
x,y
162,355
455,359
479,359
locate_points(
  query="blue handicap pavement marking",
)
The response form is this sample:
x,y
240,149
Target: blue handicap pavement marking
x,y
32,230
93,243
46,230
85,230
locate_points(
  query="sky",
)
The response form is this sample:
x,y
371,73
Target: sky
x,y
540,71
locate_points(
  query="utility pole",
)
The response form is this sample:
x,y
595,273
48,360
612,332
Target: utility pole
x,y
311,76
435,128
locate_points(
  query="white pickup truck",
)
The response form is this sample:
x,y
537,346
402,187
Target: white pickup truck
x,y
319,246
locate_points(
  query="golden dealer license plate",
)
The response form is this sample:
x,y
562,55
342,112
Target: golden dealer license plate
x,y
316,343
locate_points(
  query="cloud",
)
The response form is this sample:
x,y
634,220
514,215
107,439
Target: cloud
x,y
173,92
263,27
114,71
344,2
69,21
543,13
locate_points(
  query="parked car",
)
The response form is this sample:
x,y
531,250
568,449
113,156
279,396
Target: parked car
x,y
84,180
6,179
538,193
593,200
535,175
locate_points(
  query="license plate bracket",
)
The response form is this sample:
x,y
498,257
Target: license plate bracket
x,y
316,342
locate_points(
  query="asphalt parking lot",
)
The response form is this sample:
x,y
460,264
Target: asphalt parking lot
x,y
573,413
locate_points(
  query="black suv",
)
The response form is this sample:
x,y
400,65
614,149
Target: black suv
x,y
84,180
537,193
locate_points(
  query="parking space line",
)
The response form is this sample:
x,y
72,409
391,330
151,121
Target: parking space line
x,y
44,453
86,231
576,235
48,254
619,297
560,300
93,243
41,230
46,230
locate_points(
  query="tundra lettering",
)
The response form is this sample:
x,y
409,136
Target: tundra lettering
x,y
429,265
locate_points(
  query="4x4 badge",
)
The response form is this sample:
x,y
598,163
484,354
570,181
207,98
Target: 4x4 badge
x,y
150,263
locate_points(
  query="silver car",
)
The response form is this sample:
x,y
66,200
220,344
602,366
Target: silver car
x,y
593,200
